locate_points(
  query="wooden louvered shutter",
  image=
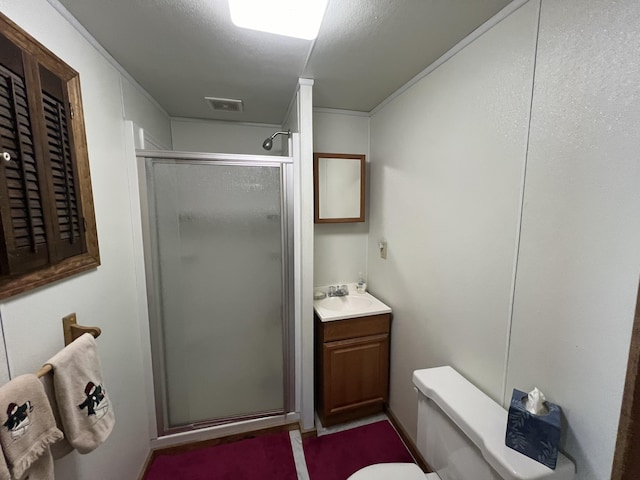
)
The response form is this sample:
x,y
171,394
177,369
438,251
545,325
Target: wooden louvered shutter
x,y
21,205
47,221
65,208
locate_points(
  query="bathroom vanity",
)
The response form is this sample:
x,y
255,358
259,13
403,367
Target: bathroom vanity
x,y
351,357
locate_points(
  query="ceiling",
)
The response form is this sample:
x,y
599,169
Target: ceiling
x,y
183,50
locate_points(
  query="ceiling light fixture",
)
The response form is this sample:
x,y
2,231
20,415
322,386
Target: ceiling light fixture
x,y
291,18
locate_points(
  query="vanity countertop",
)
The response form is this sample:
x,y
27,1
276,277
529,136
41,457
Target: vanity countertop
x,y
349,306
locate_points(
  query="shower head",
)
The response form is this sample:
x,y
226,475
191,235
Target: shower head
x,y
268,143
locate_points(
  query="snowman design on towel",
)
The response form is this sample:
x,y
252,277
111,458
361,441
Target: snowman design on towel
x,y
95,401
18,418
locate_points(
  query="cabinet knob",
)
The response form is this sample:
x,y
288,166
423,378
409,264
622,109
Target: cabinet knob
x,y
6,156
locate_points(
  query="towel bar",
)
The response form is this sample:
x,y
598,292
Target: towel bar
x,y
71,331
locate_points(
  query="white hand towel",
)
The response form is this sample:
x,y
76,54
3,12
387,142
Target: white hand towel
x,y
27,428
63,447
42,468
85,409
4,470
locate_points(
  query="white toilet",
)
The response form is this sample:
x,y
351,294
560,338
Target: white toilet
x,y
461,435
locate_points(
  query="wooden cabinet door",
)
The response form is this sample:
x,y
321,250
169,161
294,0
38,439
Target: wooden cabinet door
x,y
356,373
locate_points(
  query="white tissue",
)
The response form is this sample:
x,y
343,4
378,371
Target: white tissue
x,y
535,402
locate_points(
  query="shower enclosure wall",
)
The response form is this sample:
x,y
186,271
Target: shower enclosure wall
x,y
218,255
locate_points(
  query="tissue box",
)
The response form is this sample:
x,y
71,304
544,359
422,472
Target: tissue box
x,y
536,436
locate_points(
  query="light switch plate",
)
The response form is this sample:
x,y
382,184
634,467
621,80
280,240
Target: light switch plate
x,y
382,246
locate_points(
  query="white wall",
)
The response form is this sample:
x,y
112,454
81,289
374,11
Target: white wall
x,y
105,297
447,160
340,249
579,255
193,135
304,277
141,109
300,118
451,165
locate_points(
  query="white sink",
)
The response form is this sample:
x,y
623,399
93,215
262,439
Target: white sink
x,y
348,303
350,306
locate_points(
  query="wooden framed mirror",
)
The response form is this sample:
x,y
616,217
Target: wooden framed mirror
x,y
339,187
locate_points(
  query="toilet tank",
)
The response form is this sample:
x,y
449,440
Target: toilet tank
x,y
461,433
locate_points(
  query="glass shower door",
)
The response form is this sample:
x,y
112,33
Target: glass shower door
x,y
217,235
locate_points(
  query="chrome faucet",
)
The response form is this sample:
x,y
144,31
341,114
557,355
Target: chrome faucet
x,y
338,291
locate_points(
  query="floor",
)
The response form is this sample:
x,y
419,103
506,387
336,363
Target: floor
x,y
296,440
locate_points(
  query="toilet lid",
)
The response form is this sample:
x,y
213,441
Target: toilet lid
x,y
389,471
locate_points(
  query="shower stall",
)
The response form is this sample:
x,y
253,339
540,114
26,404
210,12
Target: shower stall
x,y
218,241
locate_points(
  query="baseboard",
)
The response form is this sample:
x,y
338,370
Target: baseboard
x,y
223,430
411,446
313,432
147,462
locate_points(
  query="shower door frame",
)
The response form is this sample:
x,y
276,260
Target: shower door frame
x,y
286,167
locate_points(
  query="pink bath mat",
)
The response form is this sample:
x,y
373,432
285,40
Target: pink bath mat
x,y
338,455
266,457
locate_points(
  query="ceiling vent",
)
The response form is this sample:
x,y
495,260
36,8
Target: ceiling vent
x,y
225,104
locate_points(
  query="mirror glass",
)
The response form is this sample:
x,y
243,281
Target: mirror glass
x,y
339,187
